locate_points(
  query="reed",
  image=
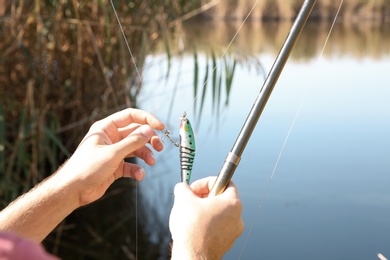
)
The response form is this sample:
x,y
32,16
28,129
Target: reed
x,y
63,65
216,82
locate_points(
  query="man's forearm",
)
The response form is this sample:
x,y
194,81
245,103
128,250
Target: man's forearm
x,y
35,214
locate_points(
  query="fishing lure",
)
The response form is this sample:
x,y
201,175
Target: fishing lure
x,y
187,147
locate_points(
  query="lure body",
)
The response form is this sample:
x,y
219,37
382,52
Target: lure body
x,y
187,148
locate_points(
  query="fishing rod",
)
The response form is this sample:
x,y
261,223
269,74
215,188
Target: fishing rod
x,y
234,156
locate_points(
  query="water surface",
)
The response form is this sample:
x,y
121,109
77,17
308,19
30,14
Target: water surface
x,y
328,197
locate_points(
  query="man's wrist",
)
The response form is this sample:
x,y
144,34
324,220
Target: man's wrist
x,y
196,252
62,187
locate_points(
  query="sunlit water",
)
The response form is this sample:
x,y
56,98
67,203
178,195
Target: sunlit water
x,y
329,195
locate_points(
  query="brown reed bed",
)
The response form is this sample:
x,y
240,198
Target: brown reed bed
x,y
63,65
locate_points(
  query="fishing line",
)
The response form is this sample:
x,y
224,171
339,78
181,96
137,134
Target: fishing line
x,y
136,220
306,90
309,83
127,43
141,82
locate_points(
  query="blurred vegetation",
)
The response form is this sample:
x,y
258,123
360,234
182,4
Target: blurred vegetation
x,y
63,65
367,39
268,10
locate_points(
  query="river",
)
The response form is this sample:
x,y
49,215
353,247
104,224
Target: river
x,y
328,196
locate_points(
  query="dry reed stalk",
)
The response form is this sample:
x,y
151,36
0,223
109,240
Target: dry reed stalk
x,y
110,89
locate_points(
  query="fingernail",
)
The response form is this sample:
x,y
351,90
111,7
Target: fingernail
x,y
151,158
139,174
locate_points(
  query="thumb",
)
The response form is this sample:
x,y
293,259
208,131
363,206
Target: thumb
x,y
134,141
183,192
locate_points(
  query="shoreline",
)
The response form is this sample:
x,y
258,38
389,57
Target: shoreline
x,y
279,10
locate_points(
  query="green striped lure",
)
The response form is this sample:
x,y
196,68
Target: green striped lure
x,y
187,147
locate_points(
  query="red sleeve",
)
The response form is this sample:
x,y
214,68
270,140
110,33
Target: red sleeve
x,y
14,247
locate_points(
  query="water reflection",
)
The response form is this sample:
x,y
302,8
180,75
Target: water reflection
x,y
328,197
348,39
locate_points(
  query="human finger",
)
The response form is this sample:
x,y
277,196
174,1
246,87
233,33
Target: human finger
x,y
127,116
156,143
182,192
145,154
127,130
231,191
131,170
134,141
203,186
155,140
